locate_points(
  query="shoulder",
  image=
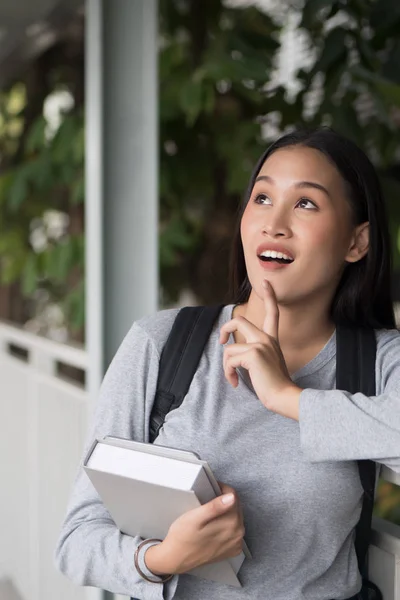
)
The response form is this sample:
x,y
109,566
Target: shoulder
x,y
156,327
387,341
151,332
140,350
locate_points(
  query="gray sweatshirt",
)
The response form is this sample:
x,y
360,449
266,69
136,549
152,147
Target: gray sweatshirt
x,y
298,482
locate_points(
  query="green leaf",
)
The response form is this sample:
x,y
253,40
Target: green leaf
x,y
390,68
78,191
63,141
190,100
167,256
64,254
311,11
333,50
36,137
49,263
78,246
9,271
345,122
385,13
18,192
390,91
6,181
208,98
40,172
175,237
58,260
368,56
30,275
170,59
78,146
74,307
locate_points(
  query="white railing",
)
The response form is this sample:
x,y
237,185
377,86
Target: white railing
x,y
43,417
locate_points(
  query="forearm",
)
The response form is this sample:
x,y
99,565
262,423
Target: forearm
x,y
336,425
98,554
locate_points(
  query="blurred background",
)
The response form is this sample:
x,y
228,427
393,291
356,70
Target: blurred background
x,y
128,132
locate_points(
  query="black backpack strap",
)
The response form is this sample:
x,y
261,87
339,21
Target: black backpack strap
x,y
179,360
355,372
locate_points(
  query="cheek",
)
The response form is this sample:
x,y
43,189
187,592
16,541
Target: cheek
x,y
247,226
331,235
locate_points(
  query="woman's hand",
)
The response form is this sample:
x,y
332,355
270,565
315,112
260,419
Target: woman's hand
x,y
262,357
206,534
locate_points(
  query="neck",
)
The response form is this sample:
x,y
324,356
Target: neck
x,y
300,326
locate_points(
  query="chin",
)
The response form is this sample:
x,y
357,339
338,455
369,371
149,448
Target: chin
x,y
284,296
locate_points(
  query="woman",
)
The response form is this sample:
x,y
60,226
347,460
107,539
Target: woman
x,y
311,251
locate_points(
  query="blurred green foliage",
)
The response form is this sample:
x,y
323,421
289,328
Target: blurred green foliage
x,y
48,175
215,67
387,504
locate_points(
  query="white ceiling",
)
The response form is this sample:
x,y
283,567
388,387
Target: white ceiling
x,y
18,11
26,28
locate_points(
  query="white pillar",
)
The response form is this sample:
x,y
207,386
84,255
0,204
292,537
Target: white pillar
x,y
121,173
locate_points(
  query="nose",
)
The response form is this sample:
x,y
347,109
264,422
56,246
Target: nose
x,y
276,223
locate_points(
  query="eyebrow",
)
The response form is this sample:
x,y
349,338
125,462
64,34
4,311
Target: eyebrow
x,y
298,184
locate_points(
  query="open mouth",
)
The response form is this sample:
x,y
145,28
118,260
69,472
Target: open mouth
x,y
281,261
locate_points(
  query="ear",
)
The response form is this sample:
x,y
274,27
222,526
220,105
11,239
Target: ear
x,y
359,245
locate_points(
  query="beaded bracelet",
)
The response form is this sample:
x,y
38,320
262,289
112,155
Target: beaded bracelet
x,y
161,578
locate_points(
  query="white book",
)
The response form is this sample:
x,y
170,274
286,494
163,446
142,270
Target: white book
x,y
146,487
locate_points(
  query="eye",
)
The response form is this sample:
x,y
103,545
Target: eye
x,y
307,204
262,199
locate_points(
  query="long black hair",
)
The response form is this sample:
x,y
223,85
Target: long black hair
x,y
364,295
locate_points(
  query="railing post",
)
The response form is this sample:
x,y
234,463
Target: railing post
x,y
42,362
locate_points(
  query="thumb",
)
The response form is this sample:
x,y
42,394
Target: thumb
x,y
217,507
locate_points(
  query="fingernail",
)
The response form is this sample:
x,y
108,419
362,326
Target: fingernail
x,y
227,499
265,284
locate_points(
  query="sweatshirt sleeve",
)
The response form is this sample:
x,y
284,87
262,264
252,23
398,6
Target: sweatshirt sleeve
x,y
336,425
91,550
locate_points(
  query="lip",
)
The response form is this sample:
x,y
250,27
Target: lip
x,y
272,266
271,247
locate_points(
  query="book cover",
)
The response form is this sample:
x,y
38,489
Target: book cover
x,y
146,487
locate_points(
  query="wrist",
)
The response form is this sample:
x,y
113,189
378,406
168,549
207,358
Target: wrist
x,y
158,560
286,402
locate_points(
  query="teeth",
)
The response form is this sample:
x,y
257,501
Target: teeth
x,y
273,254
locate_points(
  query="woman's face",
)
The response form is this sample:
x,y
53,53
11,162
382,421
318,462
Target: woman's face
x,y
299,211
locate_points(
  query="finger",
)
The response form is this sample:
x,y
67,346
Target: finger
x,y
227,489
250,332
215,508
231,375
235,349
271,321
234,362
